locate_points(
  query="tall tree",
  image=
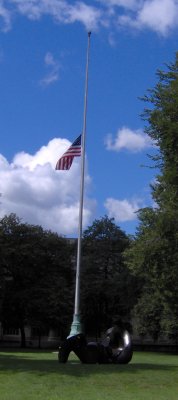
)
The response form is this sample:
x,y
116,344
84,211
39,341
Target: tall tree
x,y
36,276
107,287
162,128
154,254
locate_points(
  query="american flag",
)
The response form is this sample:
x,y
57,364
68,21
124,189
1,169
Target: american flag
x,y
66,160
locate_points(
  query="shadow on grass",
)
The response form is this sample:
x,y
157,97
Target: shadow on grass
x,y
45,363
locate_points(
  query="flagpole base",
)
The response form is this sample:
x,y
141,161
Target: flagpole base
x,y
76,327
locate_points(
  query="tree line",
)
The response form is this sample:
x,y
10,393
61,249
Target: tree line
x,y
123,278
37,277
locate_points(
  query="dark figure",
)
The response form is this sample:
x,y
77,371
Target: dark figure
x,y
115,348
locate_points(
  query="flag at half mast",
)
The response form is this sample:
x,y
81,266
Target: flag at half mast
x,y
66,160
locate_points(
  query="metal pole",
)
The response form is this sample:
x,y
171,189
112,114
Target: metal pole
x,y
76,326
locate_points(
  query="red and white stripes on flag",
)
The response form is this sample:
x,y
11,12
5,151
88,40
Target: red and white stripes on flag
x,y
66,160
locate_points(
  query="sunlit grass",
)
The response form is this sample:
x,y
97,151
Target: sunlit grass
x,y
27,375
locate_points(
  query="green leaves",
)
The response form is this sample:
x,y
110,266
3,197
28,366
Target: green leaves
x,y
36,276
107,285
153,256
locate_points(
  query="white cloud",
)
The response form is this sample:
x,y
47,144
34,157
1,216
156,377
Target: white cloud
x,y
53,67
61,10
160,16
30,8
49,59
89,16
128,139
157,15
122,210
38,194
127,4
5,16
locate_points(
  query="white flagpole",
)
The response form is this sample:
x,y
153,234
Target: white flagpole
x,y
76,326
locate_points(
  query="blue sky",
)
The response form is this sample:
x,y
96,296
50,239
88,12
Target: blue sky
x,y
42,77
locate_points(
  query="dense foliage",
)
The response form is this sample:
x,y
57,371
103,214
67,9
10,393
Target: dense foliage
x,y
108,288
36,277
154,254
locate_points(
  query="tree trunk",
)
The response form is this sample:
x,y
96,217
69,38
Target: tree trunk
x,y
23,338
39,340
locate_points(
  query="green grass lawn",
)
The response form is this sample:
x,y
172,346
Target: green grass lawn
x,y
37,375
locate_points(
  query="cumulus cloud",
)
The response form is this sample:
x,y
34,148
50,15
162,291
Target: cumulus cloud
x,y
160,16
133,141
157,15
38,194
62,11
53,67
89,16
122,210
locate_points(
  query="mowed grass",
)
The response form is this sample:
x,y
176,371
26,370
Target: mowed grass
x,y
37,375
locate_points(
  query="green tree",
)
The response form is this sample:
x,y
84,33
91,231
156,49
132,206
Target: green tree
x,y
107,286
36,276
154,254
162,128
